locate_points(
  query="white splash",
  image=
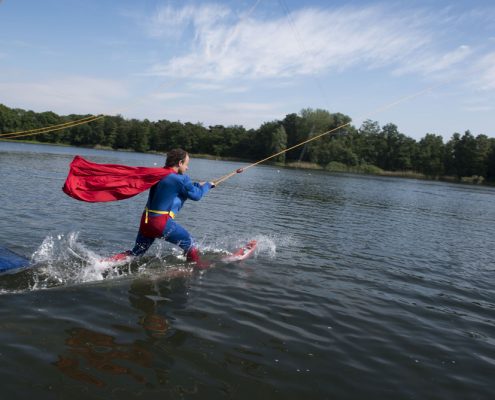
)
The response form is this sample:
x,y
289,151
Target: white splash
x,y
63,260
266,245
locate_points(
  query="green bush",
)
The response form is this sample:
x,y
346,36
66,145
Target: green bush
x,y
370,169
335,166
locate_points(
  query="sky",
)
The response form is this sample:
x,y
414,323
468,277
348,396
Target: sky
x,y
426,66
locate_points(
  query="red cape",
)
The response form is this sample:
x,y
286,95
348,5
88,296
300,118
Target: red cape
x,y
92,182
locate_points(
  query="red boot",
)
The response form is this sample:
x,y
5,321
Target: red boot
x,y
192,255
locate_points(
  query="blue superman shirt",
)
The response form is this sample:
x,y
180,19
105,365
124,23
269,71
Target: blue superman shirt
x,y
172,191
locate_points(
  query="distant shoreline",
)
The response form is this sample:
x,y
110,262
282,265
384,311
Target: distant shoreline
x,y
301,165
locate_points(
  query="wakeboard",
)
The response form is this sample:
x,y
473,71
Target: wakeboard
x,y
241,253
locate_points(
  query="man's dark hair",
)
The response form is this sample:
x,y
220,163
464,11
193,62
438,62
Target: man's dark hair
x,y
174,157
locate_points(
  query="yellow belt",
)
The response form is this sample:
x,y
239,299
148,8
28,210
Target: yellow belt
x,y
146,210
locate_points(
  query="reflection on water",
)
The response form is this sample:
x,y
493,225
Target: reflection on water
x,y
144,295
91,356
89,349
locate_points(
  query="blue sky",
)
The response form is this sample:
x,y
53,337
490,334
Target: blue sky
x,y
248,62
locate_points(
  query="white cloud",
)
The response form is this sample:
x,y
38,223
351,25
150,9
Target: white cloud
x,y
434,63
236,89
308,41
170,95
485,72
205,86
219,48
75,94
171,22
482,108
215,86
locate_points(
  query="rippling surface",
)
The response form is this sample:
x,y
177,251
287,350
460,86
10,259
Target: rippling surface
x,y
361,287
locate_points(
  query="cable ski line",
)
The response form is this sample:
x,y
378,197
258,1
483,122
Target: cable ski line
x,y
53,128
49,128
368,115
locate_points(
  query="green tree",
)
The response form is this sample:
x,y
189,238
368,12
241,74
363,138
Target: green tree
x,y
214,140
369,149
334,150
490,174
122,137
322,121
450,162
431,155
176,136
295,133
5,119
137,135
80,135
110,131
312,123
279,143
265,139
482,155
384,147
244,146
97,136
235,138
465,154
161,138
396,151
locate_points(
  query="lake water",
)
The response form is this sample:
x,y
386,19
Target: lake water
x,y
361,288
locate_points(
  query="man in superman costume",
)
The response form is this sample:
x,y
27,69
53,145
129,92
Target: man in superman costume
x,y
170,188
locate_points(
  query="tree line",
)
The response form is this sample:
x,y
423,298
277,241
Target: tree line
x,y
369,148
